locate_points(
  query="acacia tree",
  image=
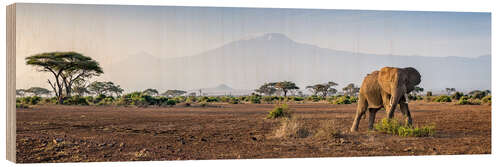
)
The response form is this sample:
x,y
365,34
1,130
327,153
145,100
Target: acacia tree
x,y
285,86
417,90
450,90
266,89
20,92
105,88
173,93
37,91
80,87
324,89
151,92
351,89
66,67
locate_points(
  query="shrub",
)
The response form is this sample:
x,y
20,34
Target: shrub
x,y
342,100
442,98
171,102
457,95
292,128
233,101
486,99
477,94
394,127
203,104
353,99
269,99
279,111
313,98
29,100
429,93
98,98
255,99
296,98
75,100
21,105
466,100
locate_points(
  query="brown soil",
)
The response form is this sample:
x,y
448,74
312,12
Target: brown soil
x,y
48,133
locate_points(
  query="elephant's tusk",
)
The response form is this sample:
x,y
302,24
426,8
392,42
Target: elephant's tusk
x,y
406,98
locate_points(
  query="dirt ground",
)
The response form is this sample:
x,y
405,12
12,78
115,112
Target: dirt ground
x,y
49,133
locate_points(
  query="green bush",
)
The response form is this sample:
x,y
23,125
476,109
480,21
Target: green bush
x,y
255,99
394,127
353,99
29,100
457,95
98,98
203,104
486,99
269,99
477,94
75,100
313,98
279,111
342,100
442,98
171,102
296,98
466,100
21,105
233,101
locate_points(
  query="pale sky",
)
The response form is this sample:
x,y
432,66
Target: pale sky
x,y
111,33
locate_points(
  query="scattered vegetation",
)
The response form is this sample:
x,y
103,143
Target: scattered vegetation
x,y
292,128
394,127
442,98
326,129
279,111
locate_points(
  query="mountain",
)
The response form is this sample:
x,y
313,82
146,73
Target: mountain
x,y
250,62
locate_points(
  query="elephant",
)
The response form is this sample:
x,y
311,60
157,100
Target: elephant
x,y
386,89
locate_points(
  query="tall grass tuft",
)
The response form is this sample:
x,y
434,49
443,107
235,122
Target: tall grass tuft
x,y
394,127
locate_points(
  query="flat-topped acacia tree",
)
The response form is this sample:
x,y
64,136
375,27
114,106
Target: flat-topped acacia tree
x,y
66,67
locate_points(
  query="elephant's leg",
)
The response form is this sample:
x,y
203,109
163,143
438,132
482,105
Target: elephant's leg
x,y
406,111
361,110
373,112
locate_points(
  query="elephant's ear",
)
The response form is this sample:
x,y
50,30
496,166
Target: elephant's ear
x,y
414,78
385,78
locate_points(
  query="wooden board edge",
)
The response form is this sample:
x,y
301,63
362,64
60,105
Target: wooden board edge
x,y
11,83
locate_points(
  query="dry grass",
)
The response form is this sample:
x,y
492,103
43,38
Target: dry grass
x,y
327,129
292,128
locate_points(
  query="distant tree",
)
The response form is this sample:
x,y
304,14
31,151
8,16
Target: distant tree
x,y
37,91
98,88
300,93
429,93
351,89
285,86
417,90
80,87
450,90
192,94
20,92
114,89
151,92
173,93
66,67
105,88
324,89
266,89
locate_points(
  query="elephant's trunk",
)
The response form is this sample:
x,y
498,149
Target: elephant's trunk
x,y
396,94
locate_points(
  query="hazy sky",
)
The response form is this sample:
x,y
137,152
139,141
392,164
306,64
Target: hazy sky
x,y
111,33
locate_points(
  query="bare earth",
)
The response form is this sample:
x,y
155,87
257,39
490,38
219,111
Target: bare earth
x,y
48,133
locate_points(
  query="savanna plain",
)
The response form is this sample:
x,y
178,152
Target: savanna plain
x,y
59,133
